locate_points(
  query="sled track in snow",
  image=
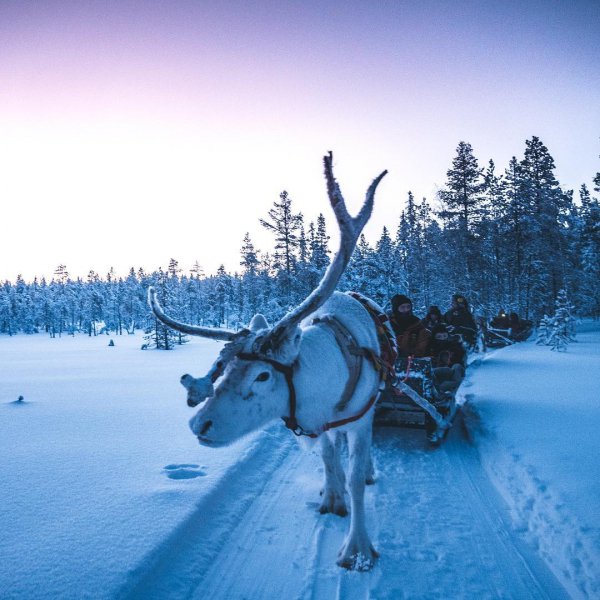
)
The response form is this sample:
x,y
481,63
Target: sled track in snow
x,y
439,524
177,566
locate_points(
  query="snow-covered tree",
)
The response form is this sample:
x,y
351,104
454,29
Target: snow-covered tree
x,y
544,330
158,336
462,202
285,226
563,323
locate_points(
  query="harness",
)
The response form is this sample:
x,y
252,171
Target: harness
x,y
353,355
291,422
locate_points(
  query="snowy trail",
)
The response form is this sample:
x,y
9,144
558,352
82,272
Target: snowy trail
x,y
452,536
440,527
177,565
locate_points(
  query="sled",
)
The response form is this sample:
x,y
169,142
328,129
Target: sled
x,y
498,338
412,400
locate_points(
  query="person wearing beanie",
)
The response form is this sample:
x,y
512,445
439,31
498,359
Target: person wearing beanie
x,y
412,337
433,320
460,318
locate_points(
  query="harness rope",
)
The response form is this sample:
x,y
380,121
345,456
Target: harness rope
x,y
291,421
348,347
351,352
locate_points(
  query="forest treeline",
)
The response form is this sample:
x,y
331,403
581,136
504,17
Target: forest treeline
x,y
508,240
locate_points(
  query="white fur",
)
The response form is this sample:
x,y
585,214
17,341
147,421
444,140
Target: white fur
x,y
250,393
242,403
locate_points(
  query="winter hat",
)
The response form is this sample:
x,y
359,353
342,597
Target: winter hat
x,y
399,299
435,310
460,299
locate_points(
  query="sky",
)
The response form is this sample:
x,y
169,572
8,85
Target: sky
x,y
135,132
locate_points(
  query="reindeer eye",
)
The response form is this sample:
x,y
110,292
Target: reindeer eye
x,y
263,376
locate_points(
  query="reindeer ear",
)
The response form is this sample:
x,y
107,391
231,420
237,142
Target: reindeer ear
x,y
258,323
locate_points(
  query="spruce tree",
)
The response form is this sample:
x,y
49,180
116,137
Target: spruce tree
x,y
319,249
285,226
563,324
384,280
549,205
250,264
158,335
544,330
462,209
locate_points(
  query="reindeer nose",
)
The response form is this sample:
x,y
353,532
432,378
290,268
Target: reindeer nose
x,y
207,425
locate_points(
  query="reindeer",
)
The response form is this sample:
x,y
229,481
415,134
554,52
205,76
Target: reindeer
x,y
316,369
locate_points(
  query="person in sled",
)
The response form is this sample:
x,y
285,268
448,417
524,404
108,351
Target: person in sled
x,y
501,320
450,371
441,338
433,320
460,320
412,337
447,354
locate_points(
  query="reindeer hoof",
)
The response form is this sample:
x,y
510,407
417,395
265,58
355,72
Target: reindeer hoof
x,y
370,480
349,558
332,501
340,511
358,562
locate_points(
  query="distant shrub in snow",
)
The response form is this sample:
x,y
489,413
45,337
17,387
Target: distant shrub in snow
x,y
557,331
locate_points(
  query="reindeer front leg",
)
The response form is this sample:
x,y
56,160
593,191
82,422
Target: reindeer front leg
x,y
357,552
370,478
335,481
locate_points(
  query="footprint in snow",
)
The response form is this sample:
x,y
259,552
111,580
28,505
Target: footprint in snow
x,y
183,471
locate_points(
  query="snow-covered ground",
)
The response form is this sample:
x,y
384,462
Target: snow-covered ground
x,y
104,493
534,416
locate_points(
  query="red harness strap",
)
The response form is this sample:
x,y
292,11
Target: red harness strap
x,y
334,424
290,422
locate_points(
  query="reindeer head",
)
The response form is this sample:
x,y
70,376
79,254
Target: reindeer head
x,y
249,383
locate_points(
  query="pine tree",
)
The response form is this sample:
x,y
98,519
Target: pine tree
x,y
319,249
357,276
588,248
462,208
250,264
158,335
490,266
547,249
462,197
285,225
563,324
406,247
384,279
197,271
516,226
544,330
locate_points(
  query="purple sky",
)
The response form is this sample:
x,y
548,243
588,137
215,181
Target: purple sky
x,y
132,132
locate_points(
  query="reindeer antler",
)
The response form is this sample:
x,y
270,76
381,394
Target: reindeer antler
x,y
350,229
224,335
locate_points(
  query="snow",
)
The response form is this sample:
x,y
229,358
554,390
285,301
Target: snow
x,y
105,492
535,418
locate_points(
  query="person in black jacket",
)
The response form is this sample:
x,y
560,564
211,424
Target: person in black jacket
x,y
444,349
411,336
460,319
